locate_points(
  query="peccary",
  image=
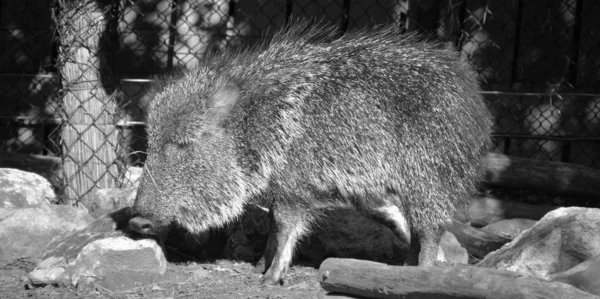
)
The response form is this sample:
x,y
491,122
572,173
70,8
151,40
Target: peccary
x,y
387,123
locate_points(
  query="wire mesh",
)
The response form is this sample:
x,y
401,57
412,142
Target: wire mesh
x,y
538,63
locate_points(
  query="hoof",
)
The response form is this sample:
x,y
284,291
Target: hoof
x,y
268,281
444,264
260,266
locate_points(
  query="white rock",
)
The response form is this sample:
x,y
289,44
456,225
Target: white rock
x,y
112,256
20,189
53,275
450,250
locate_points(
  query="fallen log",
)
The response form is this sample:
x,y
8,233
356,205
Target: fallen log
x,y
376,280
485,210
546,176
477,242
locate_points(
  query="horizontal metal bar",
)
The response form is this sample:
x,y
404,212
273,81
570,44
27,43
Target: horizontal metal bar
x,y
24,120
544,137
540,93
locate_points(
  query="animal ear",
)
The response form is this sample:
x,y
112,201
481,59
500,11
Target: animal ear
x,y
221,99
224,96
219,103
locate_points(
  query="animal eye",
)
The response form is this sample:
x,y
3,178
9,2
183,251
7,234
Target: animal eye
x,y
173,149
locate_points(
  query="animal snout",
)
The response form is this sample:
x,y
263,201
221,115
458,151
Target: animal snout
x,y
142,226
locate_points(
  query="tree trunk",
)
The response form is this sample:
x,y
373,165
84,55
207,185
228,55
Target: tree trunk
x,y
485,210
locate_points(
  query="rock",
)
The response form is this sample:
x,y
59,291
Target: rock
x,y
562,239
585,276
67,246
101,254
27,220
64,249
48,271
450,251
25,232
117,264
19,189
509,228
106,200
46,166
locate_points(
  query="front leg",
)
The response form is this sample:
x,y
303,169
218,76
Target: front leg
x,y
287,225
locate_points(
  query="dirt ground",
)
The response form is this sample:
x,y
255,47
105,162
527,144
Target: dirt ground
x,y
218,279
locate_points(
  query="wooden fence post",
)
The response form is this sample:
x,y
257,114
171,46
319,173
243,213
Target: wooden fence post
x,y
89,135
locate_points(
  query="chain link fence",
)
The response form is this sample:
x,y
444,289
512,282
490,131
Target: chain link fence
x,y
75,75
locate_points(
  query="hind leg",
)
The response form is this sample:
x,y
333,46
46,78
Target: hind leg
x,y
422,243
394,217
286,228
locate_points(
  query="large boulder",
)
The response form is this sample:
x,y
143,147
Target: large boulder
x,y
585,276
25,232
560,240
20,189
28,221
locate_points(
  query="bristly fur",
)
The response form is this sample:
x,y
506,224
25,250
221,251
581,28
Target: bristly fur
x,y
311,119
